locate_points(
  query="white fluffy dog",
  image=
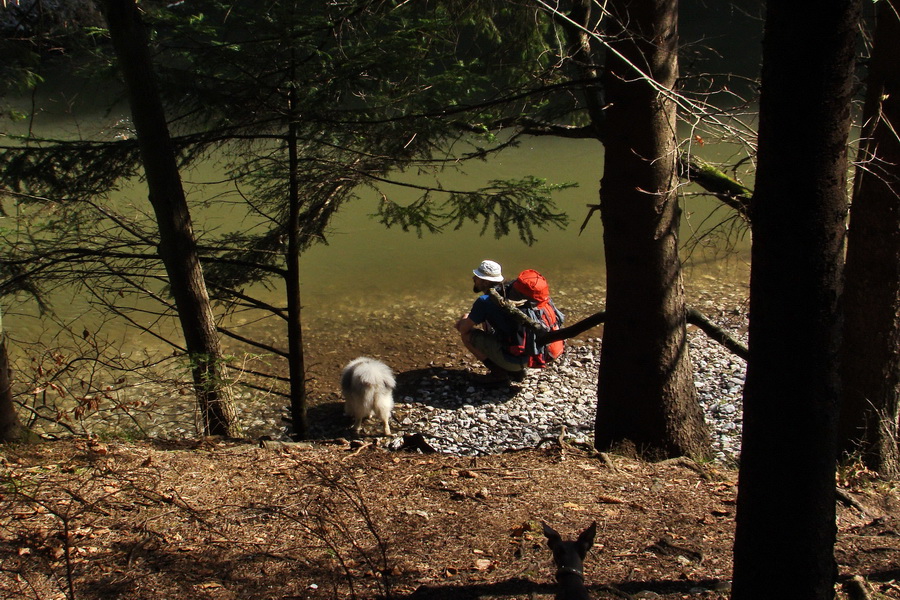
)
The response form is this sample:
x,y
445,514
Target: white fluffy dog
x,y
368,388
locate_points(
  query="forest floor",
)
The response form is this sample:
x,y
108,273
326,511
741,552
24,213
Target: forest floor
x,y
223,520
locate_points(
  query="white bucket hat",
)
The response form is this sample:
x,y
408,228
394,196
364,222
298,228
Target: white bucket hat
x,y
489,271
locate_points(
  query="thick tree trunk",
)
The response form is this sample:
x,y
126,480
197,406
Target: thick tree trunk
x,y
786,499
11,429
177,247
870,416
645,391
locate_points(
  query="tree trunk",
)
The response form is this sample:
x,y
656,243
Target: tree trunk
x,y
296,362
645,391
11,429
177,247
786,499
870,417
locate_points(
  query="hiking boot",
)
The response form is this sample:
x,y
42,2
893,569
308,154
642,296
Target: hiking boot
x,y
517,376
491,365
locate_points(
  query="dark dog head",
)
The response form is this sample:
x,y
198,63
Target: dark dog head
x,y
569,555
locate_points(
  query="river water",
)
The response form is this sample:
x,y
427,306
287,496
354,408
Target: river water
x,y
363,258
365,264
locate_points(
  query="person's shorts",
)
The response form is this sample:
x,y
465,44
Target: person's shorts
x,y
493,348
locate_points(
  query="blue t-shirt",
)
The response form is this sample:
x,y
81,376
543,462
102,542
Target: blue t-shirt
x,y
485,309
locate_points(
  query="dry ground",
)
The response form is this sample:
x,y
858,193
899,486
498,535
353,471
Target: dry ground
x,y
226,520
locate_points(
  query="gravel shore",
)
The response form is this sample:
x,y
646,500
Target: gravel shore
x,y
457,416
440,404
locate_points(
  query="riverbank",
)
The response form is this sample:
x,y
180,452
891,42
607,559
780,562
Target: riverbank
x,y
452,414
438,399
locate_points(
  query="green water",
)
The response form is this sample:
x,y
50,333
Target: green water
x,y
362,256
365,264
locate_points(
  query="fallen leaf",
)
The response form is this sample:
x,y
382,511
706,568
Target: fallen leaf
x,y
209,585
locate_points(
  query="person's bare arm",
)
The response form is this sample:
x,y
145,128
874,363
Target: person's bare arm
x,y
465,325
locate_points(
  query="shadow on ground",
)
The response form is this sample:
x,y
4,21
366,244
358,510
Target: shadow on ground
x,y
518,587
437,387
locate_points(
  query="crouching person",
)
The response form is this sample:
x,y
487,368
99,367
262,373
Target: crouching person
x,y
487,331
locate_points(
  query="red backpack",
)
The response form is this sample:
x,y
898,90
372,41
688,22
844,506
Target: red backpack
x,y
532,287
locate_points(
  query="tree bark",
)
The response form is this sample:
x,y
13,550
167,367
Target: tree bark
x,y
870,415
11,429
731,193
177,246
296,358
645,391
786,500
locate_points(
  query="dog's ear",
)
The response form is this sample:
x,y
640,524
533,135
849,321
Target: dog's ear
x,y
586,539
553,538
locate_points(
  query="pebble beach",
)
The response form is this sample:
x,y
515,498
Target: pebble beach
x,y
455,415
